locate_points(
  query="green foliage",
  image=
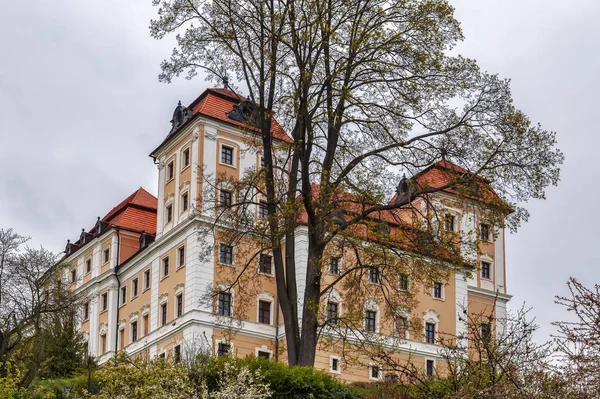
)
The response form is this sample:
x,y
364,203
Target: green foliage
x,y
9,379
64,348
285,382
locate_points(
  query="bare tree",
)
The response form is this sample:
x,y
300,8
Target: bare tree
x,y
578,337
30,296
368,91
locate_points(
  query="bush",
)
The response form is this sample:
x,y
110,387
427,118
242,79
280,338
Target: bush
x,y
297,382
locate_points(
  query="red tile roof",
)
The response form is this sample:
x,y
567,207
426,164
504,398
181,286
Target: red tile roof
x,y
216,103
140,197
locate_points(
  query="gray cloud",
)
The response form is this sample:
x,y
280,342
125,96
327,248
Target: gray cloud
x,y
81,107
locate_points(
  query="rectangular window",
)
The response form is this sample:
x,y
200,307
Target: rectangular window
x,y
134,331
335,365
177,353
181,256
223,349
186,158
437,290
332,313
169,213
225,198
86,311
88,266
226,254
224,308
264,355
184,202
334,265
449,222
134,287
374,372
403,281
123,295
165,266
162,356
170,171
370,319
147,279
264,312
146,324
265,264
73,275
374,275
430,333
106,255
163,314
485,269
179,305
484,232
227,155
104,301
262,162
429,366
263,211
486,332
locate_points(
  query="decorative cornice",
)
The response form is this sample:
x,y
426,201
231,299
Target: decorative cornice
x,y
160,165
210,136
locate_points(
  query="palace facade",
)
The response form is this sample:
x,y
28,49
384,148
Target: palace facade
x,y
143,277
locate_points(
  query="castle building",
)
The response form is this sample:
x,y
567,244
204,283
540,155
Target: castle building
x,y
143,273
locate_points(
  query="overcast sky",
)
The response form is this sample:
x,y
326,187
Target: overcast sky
x,y
81,108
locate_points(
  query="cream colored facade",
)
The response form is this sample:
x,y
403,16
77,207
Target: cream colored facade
x,y
112,317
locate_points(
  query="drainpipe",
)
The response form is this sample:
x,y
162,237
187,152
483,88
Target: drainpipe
x,y
277,329
118,290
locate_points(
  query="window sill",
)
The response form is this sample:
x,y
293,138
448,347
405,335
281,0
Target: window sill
x,y
104,311
185,167
335,371
232,166
132,298
164,277
266,274
227,265
170,180
439,299
179,267
145,289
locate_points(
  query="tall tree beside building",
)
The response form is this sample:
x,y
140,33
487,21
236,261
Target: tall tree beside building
x,y
368,91
30,298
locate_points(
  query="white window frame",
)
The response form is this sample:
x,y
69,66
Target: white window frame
x,y
177,294
425,366
264,297
134,319
488,259
225,289
178,257
123,296
223,341
372,305
181,202
104,260
102,309
233,154
232,255
378,275
339,260
443,291
379,372
138,288
263,349
144,288
339,363
171,160
162,267
189,149
85,263
163,300
433,317
272,264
